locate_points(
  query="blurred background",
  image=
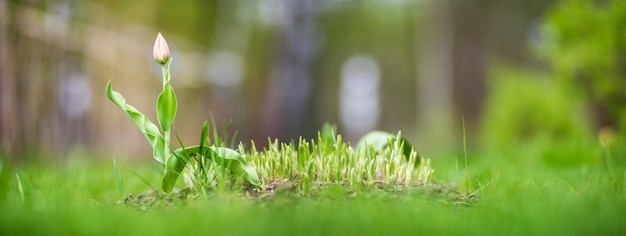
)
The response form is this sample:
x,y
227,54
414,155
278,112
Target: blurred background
x,y
517,71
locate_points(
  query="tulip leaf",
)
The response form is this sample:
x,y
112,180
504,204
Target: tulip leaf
x,y
166,107
149,129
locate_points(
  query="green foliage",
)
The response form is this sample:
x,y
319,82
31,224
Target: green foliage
x,y
224,157
166,107
523,106
174,162
521,198
328,134
179,159
585,42
570,152
314,163
534,110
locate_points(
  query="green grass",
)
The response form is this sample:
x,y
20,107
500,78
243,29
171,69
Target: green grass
x,y
319,163
518,194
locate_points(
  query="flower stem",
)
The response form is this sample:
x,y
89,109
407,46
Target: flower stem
x,y
165,74
166,133
167,144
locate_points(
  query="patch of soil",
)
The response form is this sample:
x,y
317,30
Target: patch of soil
x,y
443,193
155,198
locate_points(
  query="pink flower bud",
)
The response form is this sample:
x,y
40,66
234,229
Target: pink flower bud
x,y
161,51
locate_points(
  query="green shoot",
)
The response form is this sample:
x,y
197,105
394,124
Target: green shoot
x,y
118,178
313,163
467,186
20,188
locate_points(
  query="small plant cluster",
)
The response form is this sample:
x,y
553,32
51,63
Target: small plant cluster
x,y
379,158
221,158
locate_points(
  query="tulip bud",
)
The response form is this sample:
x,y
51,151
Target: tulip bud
x,y
161,51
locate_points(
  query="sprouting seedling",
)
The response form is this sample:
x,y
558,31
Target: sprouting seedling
x,y
159,136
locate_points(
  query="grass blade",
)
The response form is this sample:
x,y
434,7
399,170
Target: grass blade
x,y
467,187
118,178
20,188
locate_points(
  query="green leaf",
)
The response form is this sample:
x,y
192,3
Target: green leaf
x,y
166,107
225,157
380,140
149,129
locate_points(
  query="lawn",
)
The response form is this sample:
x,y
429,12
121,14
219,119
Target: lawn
x,y
514,193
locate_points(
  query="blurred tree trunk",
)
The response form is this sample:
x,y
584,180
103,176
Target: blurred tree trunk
x,y
435,76
470,57
288,107
462,38
9,134
41,58
485,31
